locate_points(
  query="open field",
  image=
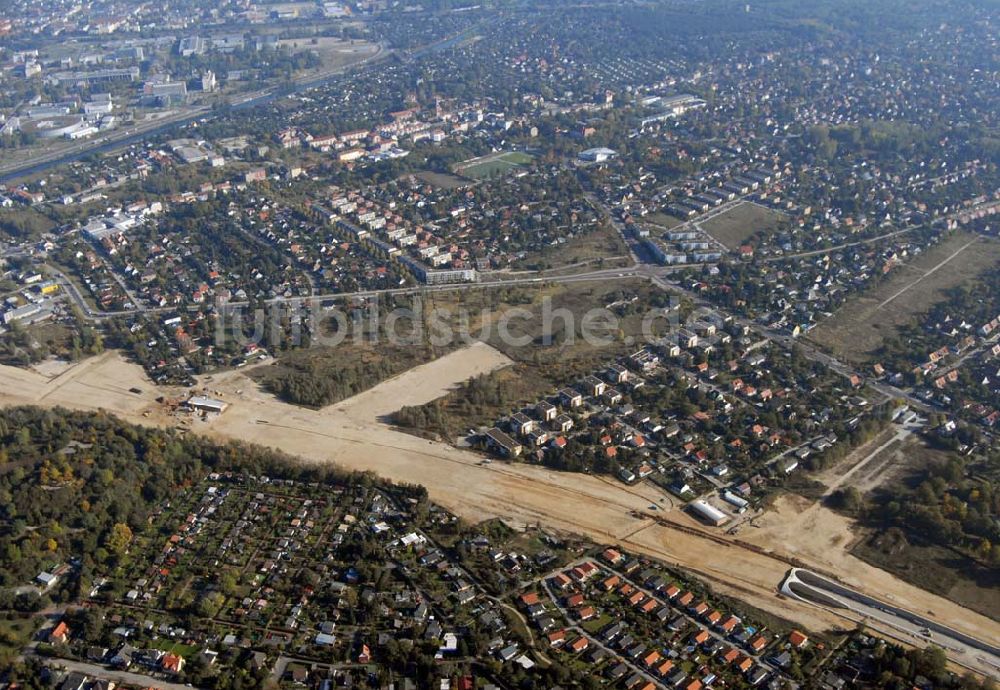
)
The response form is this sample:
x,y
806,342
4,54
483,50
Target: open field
x,y
552,351
392,343
442,180
493,164
889,457
870,464
333,52
857,329
323,375
663,220
604,510
935,568
601,248
735,226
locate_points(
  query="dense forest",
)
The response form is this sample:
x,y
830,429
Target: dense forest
x,y
320,376
953,505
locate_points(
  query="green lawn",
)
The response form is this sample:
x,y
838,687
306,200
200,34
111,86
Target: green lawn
x,y
663,220
495,164
596,624
171,647
735,226
518,157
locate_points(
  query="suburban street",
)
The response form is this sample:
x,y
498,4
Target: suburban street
x,y
96,670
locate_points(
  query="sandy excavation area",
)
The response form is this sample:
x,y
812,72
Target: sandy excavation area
x,y
822,537
351,434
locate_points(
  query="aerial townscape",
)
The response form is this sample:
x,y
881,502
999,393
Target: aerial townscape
x,y
500,344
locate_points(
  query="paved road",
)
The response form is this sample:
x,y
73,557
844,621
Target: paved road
x,y
646,673
64,154
982,656
654,273
788,341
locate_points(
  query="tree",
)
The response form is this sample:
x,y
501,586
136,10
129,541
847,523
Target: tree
x,y
119,538
210,605
848,499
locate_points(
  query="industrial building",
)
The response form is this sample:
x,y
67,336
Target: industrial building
x,y
709,513
200,403
191,45
731,498
97,76
166,93
29,313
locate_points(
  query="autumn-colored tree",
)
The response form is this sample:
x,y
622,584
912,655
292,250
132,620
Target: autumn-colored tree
x,y
119,538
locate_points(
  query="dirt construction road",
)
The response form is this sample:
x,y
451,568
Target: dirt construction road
x,y
352,434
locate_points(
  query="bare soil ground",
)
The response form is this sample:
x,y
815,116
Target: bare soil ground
x,y
350,434
836,543
736,225
832,542
318,376
52,367
544,364
857,329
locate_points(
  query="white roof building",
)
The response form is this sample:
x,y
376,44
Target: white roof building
x,y
204,404
597,155
709,513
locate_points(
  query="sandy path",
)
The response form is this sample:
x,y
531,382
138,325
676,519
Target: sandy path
x,y
349,434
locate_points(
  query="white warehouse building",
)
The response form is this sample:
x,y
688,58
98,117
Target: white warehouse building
x,y
709,513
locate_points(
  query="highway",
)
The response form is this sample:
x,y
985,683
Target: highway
x,y
982,656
